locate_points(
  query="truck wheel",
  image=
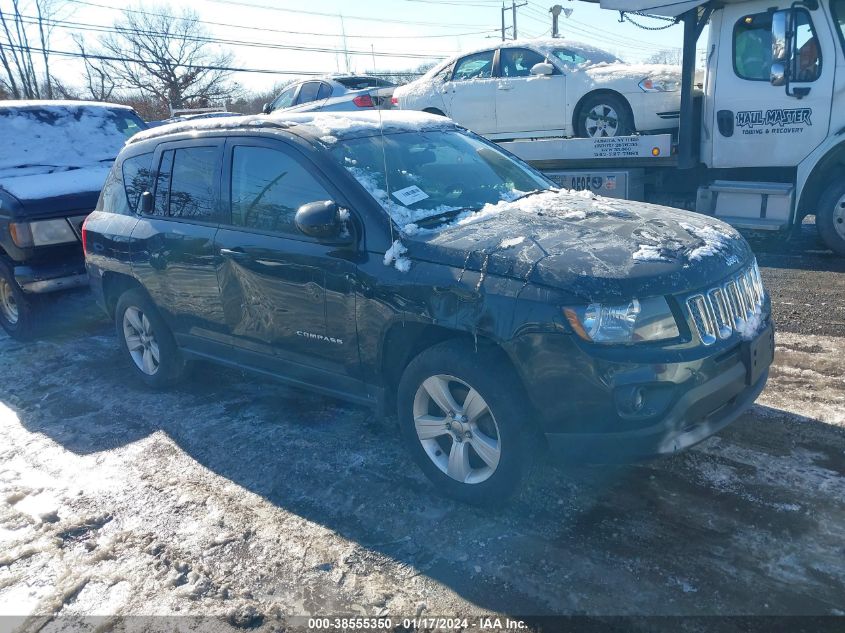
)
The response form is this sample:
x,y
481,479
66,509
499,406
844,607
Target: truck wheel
x,y
830,217
147,341
602,115
463,419
18,311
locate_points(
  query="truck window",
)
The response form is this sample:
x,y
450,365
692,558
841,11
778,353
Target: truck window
x,y
752,48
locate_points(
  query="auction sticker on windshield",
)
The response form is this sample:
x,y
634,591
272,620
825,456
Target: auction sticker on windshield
x,y
410,195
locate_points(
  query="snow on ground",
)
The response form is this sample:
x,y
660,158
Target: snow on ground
x,y
237,498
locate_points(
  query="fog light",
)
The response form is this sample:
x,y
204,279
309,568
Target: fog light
x,y
630,401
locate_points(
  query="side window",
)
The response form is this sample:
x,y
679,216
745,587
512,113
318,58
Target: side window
x,y
753,47
111,198
308,92
570,58
477,66
443,74
192,183
162,192
808,55
517,62
268,186
325,92
284,100
136,178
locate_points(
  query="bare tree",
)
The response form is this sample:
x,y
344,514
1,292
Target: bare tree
x,y
99,83
167,57
671,56
22,38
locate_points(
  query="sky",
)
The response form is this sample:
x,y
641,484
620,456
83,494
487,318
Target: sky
x,y
402,33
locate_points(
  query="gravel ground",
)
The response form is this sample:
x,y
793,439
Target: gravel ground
x,y
236,497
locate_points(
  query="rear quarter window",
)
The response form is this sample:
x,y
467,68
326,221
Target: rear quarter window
x,y
137,178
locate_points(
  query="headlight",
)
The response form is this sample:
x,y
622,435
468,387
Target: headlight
x,y
41,233
659,85
639,320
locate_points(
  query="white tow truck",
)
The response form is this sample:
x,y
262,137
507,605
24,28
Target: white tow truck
x,y
763,143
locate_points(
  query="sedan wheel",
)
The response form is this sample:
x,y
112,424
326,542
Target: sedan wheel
x,y
457,430
602,121
141,341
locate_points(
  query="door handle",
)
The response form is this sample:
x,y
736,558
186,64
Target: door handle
x,y
234,253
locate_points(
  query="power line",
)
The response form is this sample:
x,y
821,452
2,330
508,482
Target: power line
x,y
110,58
214,40
283,31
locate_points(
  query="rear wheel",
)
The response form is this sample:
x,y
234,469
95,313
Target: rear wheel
x,y
463,418
18,311
147,341
604,115
830,217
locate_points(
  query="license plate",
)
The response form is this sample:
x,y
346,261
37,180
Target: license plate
x,y
758,354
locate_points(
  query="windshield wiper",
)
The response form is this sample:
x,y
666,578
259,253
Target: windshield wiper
x,y
530,193
434,220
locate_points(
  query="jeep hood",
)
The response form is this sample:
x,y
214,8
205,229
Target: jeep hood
x,y
595,249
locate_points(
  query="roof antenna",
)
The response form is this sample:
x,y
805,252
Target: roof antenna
x,y
383,155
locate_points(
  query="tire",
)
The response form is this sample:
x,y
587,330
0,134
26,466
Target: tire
x,y
604,115
147,342
19,312
495,424
830,217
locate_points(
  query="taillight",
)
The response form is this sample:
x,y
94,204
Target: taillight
x,y
363,101
85,236
394,101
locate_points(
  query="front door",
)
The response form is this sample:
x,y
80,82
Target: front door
x,y
284,295
525,102
172,249
470,95
756,124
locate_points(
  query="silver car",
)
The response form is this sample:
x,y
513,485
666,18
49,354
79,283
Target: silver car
x,y
335,93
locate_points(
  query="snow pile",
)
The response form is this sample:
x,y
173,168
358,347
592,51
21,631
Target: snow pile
x,y
605,73
715,239
749,328
650,253
510,243
395,255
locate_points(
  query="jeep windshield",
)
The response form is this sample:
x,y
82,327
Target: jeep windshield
x,y
436,175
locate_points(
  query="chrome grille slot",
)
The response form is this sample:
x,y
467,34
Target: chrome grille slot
x,y
718,312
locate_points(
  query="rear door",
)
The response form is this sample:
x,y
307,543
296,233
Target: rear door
x,y
470,95
525,102
285,296
172,250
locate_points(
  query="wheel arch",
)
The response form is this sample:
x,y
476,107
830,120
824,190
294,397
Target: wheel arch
x,y
821,175
114,285
576,111
435,111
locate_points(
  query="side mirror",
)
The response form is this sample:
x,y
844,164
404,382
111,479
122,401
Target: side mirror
x,y
147,203
780,48
266,108
542,69
322,220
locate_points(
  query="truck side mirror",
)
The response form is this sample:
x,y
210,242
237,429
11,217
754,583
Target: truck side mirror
x,y
780,48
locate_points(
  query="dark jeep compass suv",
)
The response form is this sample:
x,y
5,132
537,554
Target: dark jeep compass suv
x,y
406,263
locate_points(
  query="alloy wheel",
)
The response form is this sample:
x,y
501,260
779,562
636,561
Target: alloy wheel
x,y
141,341
457,429
8,303
602,121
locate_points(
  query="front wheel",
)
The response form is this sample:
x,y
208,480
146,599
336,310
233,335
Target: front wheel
x,y
147,341
464,420
19,313
830,217
604,115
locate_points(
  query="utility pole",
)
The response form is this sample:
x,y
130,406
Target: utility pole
x,y
345,46
514,6
556,11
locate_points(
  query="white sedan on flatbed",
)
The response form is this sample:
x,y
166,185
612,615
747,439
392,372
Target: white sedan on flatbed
x,y
549,87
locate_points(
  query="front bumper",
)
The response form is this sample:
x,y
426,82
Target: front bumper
x,y
42,278
581,395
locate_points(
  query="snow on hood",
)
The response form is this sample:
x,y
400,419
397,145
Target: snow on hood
x,y
598,248
64,135
41,186
606,73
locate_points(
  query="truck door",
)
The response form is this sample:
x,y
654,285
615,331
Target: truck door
x,y
757,124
